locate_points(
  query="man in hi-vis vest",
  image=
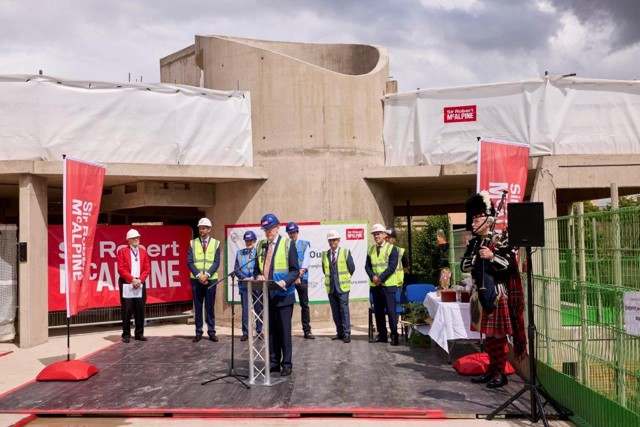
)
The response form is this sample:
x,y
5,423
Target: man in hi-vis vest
x,y
403,258
278,261
338,267
203,259
382,261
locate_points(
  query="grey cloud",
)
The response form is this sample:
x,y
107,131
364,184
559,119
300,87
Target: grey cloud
x,y
624,15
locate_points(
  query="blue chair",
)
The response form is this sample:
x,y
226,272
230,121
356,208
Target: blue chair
x,y
399,312
418,292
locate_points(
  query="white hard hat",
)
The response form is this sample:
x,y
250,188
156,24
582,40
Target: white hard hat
x,y
378,228
333,234
132,234
204,222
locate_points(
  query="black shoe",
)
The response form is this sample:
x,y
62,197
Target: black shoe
x,y
309,336
213,338
394,341
275,369
500,380
337,337
380,339
244,338
484,378
347,339
286,372
197,338
141,339
125,340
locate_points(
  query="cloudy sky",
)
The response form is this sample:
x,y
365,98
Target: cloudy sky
x,y
431,43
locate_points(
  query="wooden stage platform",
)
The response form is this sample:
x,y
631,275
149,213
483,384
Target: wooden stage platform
x,y
162,377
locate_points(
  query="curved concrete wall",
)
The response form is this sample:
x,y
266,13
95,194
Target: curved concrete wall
x,y
314,128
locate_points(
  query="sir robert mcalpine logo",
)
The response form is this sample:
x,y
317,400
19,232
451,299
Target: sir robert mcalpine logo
x,y
464,113
355,233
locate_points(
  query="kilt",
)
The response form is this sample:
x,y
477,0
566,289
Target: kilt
x,y
498,322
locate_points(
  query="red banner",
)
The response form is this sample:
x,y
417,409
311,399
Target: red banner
x,y
502,166
167,248
82,188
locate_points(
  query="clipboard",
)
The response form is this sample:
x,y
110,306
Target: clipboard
x,y
128,291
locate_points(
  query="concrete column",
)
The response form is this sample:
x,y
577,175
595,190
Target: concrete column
x,y
32,281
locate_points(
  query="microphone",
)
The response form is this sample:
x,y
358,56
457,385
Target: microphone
x,y
265,246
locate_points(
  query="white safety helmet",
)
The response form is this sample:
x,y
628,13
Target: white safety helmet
x,y
204,222
378,228
133,233
333,234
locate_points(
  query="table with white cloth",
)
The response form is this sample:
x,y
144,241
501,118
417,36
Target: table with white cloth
x,y
451,322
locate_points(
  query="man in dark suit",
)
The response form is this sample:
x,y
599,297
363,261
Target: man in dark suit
x,y
382,261
278,261
134,268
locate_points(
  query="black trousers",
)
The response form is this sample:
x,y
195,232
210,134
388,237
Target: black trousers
x,y
384,302
127,305
305,313
280,342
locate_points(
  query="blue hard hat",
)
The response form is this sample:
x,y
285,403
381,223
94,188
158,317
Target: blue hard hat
x,y
249,235
292,227
269,221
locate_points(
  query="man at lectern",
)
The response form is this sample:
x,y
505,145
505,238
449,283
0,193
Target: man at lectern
x,y
278,261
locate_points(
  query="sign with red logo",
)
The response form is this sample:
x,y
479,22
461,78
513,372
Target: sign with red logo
x,y
166,246
465,113
355,234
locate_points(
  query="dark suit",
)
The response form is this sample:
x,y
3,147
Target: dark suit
x,y
136,305
339,300
281,309
384,297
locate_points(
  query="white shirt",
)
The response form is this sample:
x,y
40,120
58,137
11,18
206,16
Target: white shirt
x,y
135,261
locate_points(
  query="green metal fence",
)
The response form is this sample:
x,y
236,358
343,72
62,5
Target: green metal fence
x,y
588,354
589,267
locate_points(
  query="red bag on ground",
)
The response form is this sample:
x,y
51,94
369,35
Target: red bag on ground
x,y
477,364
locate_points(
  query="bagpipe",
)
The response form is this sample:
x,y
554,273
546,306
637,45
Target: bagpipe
x,y
482,271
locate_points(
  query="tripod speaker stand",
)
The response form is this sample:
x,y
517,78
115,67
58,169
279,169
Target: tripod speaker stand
x,y
232,370
526,229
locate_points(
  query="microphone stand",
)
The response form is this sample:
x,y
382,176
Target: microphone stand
x,y
232,370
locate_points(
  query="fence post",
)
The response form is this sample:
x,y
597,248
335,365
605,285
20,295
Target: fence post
x,y
584,313
617,281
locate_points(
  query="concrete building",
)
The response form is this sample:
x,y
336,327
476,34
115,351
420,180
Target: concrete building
x,y
317,155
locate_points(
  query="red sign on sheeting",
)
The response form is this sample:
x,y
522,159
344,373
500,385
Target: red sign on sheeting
x,y
502,166
464,113
82,188
167,247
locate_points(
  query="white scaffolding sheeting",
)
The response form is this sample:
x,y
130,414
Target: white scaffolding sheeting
x,y
45,117
555,115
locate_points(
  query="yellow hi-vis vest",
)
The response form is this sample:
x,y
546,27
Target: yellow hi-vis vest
x,y
400,268
203,261
379,263
344,277
280,263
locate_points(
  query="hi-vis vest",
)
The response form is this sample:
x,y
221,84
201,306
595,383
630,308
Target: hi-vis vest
x,y
246,261
400,267
380,264
302,246
344,277
204,261
280,263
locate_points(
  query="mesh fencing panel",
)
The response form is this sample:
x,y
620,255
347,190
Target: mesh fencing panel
x,y
8,281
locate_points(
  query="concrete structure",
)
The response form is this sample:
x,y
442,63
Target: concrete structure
x,y
318,155
317,123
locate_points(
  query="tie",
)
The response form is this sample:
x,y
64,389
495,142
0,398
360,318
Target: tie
x,y
204,245
267,261
333,257
378,248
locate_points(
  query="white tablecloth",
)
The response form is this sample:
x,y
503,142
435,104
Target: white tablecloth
x,y
451,321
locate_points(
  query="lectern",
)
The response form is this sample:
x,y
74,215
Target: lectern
x,y
259,361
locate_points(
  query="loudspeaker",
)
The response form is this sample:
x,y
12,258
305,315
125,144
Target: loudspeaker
x,y
526,224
